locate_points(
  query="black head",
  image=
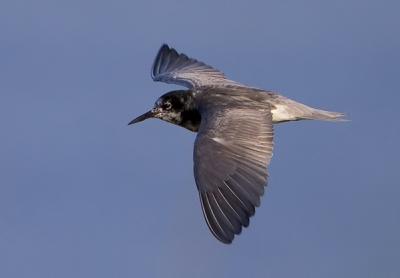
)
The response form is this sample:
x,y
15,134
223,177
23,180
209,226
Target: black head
x,y
176,107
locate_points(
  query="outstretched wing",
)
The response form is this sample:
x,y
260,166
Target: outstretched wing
x,y
232,151
172,67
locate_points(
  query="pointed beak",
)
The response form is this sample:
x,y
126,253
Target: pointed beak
x,y
147,115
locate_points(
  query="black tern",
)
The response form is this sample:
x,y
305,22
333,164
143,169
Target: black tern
x,y
234,143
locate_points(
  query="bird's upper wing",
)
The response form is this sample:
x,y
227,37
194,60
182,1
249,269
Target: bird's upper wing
x,y
232,151
172,67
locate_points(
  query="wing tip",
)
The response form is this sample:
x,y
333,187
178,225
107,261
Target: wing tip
x,y
212,222
157,61
164,47
221,234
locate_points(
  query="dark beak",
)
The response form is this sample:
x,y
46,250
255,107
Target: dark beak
x,y
147,115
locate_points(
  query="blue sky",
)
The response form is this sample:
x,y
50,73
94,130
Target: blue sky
x,y
84,195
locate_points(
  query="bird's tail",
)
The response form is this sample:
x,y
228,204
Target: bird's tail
x,y
323,115
285,109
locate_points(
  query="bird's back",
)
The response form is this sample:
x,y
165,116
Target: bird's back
x,y
282,108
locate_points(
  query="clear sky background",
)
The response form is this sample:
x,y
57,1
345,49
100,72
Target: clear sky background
x,y
84,195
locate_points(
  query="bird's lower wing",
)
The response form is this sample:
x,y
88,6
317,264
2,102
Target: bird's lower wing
x,y
231,155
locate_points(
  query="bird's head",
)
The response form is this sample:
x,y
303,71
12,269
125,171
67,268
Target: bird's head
x,y
171,107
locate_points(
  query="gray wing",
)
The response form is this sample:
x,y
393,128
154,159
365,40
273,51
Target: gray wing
x,y
232,151
172,67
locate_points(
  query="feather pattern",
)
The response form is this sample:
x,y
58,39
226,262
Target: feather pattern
x,y
232,151
172,67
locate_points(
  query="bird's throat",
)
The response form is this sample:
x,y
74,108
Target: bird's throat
x,y
190,119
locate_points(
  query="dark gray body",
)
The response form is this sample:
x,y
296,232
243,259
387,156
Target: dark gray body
x,y
194,102
234,143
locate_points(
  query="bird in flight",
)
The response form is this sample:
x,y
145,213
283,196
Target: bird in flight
x,y
234,143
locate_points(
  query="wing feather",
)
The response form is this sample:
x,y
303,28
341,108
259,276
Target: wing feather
x,y
172,67
232,151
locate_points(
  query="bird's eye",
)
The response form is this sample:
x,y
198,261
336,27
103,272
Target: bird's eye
x,y
167,106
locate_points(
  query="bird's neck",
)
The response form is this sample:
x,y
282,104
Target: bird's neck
x,y
190,117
